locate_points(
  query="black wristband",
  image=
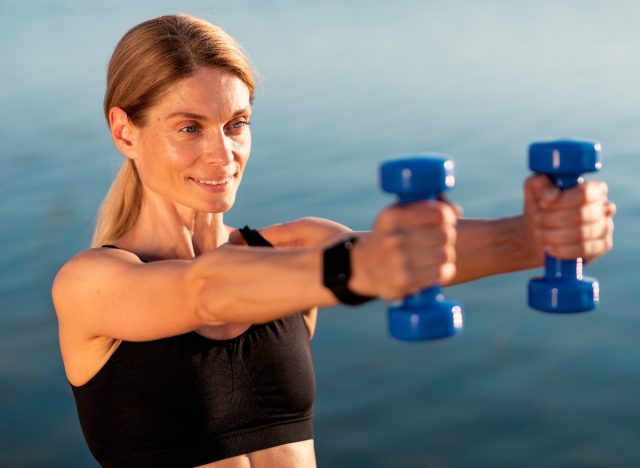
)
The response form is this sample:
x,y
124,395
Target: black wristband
x,y
336,271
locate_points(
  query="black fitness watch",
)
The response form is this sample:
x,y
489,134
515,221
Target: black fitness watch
x,y
336,272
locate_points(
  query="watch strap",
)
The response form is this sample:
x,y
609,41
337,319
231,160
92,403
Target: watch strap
x,y
336,272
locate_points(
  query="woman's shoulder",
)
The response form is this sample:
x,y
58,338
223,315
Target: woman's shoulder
x,y
304,232
87,267
97,258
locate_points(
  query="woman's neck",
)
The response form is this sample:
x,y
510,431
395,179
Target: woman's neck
x,y
169,231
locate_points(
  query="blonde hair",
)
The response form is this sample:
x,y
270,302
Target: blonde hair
x,y
149,58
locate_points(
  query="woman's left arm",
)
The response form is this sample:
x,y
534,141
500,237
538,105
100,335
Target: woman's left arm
x,y
577,222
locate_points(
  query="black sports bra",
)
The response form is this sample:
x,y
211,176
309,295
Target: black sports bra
x,y
188,400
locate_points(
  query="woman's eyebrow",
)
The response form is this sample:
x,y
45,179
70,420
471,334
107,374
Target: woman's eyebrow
x,y
187,115
243,111
194,116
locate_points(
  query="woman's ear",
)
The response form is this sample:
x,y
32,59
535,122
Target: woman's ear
x,y
123,132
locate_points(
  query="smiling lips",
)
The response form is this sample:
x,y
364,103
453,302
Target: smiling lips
x,y
217,185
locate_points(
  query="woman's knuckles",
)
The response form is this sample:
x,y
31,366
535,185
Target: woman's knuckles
x,y
449,215
577,235
591,249
585,193
610,227
450,235
450,254
447,272
595,190
572,216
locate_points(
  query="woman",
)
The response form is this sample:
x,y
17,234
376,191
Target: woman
x,y
186,341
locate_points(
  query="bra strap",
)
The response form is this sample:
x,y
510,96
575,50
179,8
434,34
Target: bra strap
x,y
111,246
253,238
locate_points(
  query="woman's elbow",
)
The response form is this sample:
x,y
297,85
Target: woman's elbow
x,y
208,306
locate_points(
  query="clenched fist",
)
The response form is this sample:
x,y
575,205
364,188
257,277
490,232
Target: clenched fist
x,y
410,247
577,222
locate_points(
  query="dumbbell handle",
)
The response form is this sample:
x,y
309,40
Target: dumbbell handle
x,y
432,293
555,268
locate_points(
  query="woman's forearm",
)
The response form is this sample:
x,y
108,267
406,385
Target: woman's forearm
x,y
486,247
240,285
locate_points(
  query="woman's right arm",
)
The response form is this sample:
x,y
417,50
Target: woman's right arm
x,y
111,293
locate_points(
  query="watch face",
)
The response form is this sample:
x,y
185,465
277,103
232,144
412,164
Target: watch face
x,y
337,271
337,267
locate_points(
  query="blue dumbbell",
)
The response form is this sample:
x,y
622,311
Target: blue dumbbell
x,y
564,289
425,315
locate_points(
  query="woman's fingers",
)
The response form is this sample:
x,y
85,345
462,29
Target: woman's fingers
x,y
423,213
586,240
577,222
587,250
588,192
575,233
411,247
573,215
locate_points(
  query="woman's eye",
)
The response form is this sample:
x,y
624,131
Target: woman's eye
x,y
239,124
189,129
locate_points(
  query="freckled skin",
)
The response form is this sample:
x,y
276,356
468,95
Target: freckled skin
x,y
175,149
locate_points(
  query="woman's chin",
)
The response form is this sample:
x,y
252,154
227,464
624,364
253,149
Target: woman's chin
x,y
220,206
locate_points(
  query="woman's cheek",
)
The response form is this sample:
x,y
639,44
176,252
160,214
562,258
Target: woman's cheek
x,y
244,146
185,152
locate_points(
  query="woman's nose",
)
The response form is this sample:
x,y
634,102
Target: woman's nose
x,y
218,150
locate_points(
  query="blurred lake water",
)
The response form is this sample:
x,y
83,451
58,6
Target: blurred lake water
x,y
345,86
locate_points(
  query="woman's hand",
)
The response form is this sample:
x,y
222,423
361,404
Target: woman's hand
x,y
577,222
411,247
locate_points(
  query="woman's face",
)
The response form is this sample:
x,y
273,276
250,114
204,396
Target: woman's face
x,y
196,143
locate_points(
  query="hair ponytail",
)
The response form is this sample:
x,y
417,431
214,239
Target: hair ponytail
x,y
120,208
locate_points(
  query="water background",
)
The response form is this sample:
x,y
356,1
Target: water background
x,y
347,85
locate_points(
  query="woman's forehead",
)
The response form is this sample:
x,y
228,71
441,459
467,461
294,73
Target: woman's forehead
x,y
208,91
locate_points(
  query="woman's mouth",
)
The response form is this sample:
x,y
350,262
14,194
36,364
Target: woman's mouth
x,y
213,185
